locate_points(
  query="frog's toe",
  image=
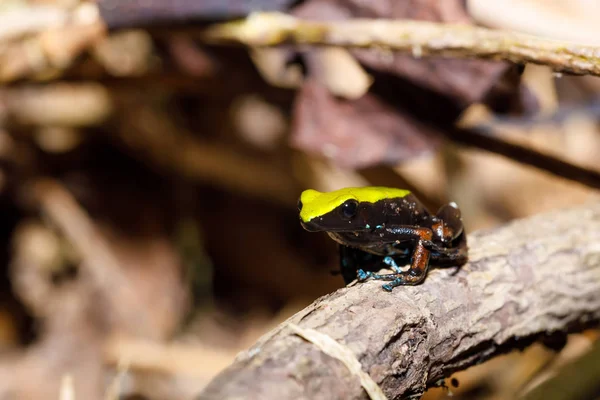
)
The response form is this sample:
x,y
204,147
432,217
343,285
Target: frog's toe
x,y
390,286
362,275
387,287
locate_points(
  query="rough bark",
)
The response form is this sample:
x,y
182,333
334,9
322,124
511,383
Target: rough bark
x,y
527,280
418,38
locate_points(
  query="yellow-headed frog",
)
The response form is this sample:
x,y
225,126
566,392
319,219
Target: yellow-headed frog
x,y
379,226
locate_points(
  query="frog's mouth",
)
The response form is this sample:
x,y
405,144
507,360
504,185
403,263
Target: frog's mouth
x,y
317,225
310,226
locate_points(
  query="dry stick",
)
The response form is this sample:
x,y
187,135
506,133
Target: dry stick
x,y
416,37
528,279
174,358
576,380
548,163
101,265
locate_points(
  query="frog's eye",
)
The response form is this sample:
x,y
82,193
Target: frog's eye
x,y
299,205
349,208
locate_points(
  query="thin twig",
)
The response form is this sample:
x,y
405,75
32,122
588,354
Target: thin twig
x,y
481,140
334,349
101,264
418,38
578,380
167,358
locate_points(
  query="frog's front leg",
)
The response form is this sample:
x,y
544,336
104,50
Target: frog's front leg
x,y
448,256
390,262
350,260
420,260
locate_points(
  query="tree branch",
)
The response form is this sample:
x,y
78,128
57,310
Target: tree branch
x,y
528,280
478,137
419,38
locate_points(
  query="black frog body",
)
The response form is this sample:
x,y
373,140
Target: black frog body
x,y
378,226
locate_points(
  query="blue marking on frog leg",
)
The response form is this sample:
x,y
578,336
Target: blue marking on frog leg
x,y
390,286
390,262
362,276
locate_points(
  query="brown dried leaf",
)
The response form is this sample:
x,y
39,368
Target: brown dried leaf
x,y
356,133
190,58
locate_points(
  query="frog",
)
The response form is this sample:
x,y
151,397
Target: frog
x,y
382,227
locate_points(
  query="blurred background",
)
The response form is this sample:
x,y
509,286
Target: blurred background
x,y
148,180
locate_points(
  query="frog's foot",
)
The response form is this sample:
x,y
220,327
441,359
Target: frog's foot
x,y
397,279
388,287
363,276
400,279
390,262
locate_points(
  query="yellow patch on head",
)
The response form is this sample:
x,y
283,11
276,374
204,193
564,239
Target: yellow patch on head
x,y
316,204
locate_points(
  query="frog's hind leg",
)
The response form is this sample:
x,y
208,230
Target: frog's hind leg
x,y
454,256
415,274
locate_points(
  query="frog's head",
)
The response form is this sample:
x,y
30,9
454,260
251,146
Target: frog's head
x,y
345,210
